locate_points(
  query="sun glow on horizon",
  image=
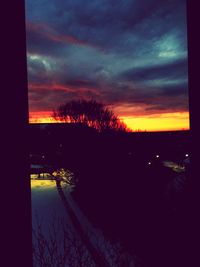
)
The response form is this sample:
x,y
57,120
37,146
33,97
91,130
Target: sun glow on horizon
x,y
158,122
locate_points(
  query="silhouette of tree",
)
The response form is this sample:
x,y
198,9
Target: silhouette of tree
x,y
90,113
60,246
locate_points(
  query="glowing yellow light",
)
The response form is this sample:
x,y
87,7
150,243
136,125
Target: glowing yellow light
x,y
42,184
34,176
158,122
44,175
174,166
41,117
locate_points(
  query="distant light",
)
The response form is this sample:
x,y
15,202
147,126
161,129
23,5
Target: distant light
x,y
43,157
157,156
149,163
186,155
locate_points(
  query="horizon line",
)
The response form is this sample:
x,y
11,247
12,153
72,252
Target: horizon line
x,y
130,130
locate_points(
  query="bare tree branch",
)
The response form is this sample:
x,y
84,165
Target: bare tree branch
x,y
90,113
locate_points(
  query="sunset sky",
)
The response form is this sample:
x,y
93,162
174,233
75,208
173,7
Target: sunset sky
x,y
128,54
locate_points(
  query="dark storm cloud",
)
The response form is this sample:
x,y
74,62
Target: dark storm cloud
x,y
47,97
173,70
175,90
47,100
39,43
79,83
123,52
171,98
128,22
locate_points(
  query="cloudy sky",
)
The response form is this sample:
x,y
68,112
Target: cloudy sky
x,y
129,54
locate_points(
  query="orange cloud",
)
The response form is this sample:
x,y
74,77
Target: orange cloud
x,y
51,34
53,86
81,91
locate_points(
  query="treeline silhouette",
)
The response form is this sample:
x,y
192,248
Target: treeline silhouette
x,y
117,189
90,113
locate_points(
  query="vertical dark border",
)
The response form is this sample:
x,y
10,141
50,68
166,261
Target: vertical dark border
x,y
15,188
193,48
192,220
193,82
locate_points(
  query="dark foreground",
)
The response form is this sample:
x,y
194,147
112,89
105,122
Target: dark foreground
x,y
123,188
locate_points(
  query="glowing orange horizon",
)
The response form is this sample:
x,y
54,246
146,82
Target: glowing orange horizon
x,y
157,122
160,122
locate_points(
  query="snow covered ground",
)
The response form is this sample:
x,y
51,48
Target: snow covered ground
x,y
47,208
